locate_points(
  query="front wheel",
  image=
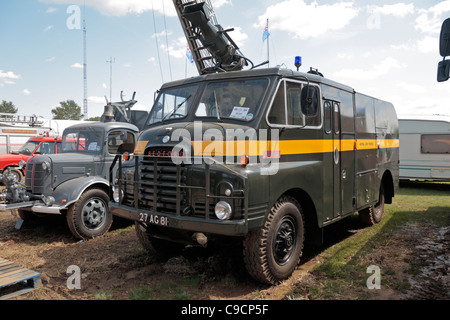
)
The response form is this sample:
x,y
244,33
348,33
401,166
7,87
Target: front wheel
x,y
89,217
158,247
272,252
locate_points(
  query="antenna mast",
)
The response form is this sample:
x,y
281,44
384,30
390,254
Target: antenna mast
x,y
111,61
85,105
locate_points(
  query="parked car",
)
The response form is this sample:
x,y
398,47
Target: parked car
x,y
33,147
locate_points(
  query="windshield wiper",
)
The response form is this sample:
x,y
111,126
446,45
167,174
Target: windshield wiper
x,y
217,107
176,108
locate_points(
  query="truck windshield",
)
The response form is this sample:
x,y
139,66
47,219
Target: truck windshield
x,y
233,99
82,141
173,104
28,147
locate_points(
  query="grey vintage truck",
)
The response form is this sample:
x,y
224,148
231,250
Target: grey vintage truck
x,y
73,182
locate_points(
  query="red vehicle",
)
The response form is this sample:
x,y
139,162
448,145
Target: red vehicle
x,y
34,146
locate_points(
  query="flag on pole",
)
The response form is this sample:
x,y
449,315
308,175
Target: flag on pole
x,y
266,33
189,55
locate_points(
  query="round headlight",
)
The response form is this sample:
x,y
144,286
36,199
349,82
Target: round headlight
x,y
223,210
116,193
45,165
22,164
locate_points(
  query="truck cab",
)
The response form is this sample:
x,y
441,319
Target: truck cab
x,y
74,181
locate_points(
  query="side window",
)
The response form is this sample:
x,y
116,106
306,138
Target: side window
x,y
327,117
336,117
47,148
294,104
435,143
277,114
120,142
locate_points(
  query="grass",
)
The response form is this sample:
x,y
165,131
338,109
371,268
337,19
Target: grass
x,y
166,290
343,271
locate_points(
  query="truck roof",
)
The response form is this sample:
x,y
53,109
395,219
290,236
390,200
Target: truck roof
x,y
277,71
425,117
44,139
104,125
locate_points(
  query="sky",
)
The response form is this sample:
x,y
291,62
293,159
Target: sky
x,y
386,49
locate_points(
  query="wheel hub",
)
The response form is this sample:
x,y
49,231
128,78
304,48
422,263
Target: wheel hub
x,y
285,241
94,213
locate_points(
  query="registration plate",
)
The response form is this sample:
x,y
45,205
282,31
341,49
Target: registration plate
x,y
153,219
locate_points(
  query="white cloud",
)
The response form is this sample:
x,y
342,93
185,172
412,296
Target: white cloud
x,y
430,20
50,59
308,20
48,28
345,56
99,100
8,75
399,10
121,8
8,78
26,92
238,36
51,10
428,44
411,87
77,65
380,69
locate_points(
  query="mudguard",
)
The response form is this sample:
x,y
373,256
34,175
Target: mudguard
x,y
71,190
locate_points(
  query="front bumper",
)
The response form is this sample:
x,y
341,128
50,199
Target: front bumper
x,y
33,206
238,227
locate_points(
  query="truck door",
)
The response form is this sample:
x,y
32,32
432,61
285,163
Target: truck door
x,y
337,159
333,128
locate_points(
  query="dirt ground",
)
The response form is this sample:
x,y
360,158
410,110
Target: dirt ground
x,y
114,265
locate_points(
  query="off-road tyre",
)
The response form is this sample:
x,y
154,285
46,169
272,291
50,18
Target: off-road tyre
x,y
160,248
272,252
373,214
89,217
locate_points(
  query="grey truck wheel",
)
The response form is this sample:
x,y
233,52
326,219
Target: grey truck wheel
x,y
272,252
89,217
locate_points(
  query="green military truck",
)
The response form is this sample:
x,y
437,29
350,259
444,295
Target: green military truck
x,y
265,156
269,155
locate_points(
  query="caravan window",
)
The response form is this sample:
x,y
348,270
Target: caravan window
x,y
435,143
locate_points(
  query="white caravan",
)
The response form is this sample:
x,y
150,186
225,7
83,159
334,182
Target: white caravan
x,y
424,147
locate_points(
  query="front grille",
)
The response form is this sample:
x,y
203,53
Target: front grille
x,y
158,184
185,189
35,178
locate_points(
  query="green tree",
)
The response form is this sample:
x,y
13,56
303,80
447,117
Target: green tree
x,y
7,107
68,110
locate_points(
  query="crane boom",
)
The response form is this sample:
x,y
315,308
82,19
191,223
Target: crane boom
x,y
212,48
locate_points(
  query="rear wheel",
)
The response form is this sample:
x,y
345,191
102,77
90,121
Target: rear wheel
x,y
373,214
273,252
89,217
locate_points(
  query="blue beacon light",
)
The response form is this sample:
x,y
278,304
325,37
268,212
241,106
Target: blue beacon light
x,y
298,62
